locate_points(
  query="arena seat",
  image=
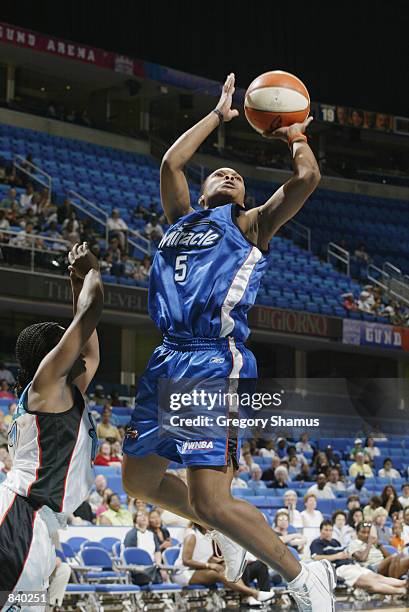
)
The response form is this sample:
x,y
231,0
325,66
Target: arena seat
x,y
97,557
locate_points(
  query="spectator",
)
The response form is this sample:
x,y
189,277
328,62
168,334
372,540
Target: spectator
x,y
106,263
256,571
6,375
11,411
117,228
364,302
115,515
380,516
353,502
5,392
160,533
3,429
369,553
357,448
3,454
335,482
116,450
321,463
99,395
143,269
255,483
105,429
237,482
349,301
246,462
115,250
13,214
26,198
396,539
281,478
128,267
371,450
321,489
388,471
141,536
197,564
104,456
341,531
104,505
10,199
4,222
355,517
361,254
281,447
294,467
290,502
58,581
268,449
281,525
304,475
7,465
347,568
64,211
358,488
311,517
85,513
96,497
153,229
405,525
360,467
303,445
390,500
374,503
404,498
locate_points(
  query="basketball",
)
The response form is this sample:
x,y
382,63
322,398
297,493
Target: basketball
x,y
276,99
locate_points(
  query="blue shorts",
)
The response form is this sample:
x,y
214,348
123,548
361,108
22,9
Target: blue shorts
x,y
176,359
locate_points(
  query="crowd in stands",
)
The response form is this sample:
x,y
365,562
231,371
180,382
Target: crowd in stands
x,y
372,301
32,221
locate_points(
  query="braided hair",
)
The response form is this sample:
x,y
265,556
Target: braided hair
x,y
33,344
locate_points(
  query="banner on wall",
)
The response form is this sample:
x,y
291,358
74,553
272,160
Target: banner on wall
x,y
364,333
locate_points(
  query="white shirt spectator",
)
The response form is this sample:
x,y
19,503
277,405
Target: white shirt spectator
x,y
25,201
146,541
343,535
325,493
373,451
303,447
169,519
311,524
116,224
238,483
392,473
266,452
404,501
364,302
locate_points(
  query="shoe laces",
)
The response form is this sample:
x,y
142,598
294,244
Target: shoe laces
x,y
301,597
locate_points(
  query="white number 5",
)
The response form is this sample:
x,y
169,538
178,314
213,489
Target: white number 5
x,y
180,268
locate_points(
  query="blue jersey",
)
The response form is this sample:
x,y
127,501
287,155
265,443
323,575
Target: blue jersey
x,y
205,276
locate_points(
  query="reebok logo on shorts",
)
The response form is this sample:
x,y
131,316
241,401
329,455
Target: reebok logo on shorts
x,y
217,360
189,447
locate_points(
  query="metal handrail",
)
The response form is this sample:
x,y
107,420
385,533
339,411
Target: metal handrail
x,y
37,169
83,209
301,230
32,248
334,250
384,280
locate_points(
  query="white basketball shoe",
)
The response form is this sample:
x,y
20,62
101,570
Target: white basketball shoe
x,y
316,593
233,554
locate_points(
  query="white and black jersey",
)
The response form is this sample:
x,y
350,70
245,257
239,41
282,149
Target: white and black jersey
x,y
52,473
52,455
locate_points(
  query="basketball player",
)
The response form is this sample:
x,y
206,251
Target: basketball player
x,y
52,439
204,278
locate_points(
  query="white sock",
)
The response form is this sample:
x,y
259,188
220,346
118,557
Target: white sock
x,y
299,580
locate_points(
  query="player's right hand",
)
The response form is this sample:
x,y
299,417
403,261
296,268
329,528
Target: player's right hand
x,y
82,260
224,104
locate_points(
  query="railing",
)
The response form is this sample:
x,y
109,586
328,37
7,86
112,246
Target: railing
x,y
298,233
99,215
341,255
389,283
33,251
45,180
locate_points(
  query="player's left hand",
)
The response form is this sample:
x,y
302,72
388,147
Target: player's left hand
x,y
82,260
225,102
284,133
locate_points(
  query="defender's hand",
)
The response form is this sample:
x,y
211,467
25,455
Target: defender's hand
x,y
285,133
224,104
81,260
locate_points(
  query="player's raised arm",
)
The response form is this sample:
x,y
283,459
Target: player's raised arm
x,y
289,198
174,189
58,363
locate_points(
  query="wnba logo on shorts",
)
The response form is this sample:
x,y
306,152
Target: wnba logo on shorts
x,y
131,433
188,447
